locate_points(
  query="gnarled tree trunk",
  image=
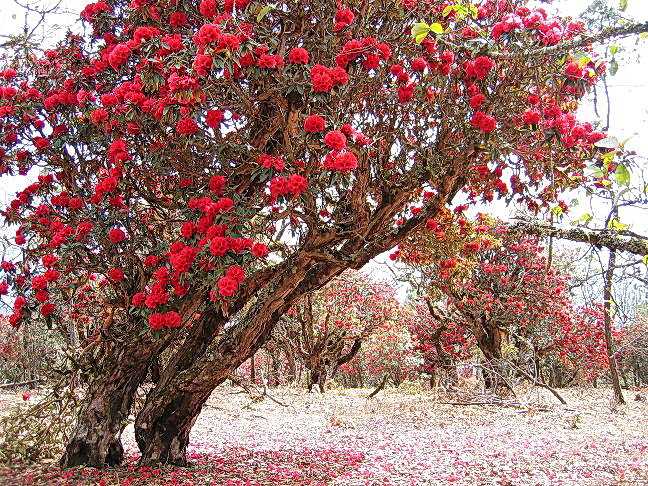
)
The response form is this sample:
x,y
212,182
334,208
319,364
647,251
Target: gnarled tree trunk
x,y
96,438
162,427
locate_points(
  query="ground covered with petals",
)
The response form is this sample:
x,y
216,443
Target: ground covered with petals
x,y
394,438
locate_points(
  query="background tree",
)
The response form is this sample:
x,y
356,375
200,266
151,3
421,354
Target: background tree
x,y
498,288
328,328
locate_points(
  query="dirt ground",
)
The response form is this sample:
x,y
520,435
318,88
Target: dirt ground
x,y
342,438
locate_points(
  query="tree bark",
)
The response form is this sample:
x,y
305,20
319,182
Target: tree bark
x,y
96,438
607,322
162,427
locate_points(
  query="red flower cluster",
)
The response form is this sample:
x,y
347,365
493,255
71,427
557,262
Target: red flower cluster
x,y
116,235
335,140
324,79
116,274
170,320
183,258
119,55
343,18
367,49
214,118
479,68
295,184
314,124
269,162
187,126
229,284
341,161
484,122
298,55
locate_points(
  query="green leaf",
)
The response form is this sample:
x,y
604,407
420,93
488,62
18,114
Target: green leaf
x,y
448,10
623,4
645,259
614,67
436,28
420,31
264,11
419,38
614,50
618,225
420,28
622,175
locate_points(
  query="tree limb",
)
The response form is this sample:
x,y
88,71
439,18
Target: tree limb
x,y
613,240
580,41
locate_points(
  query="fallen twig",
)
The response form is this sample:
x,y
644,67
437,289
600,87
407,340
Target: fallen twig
x,y
22,383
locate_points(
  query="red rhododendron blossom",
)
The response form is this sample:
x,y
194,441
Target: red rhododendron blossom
x,y
322,83
260,250
476,101
39,283
208,8
297,184
172,320
419,64
157,321
314,124
99,116
116,235
484,122
531,117
229,41
177,19
335,140
52,275
119,55
49,260
236,272
116,274
41,143
342,161
214,118
219,246
187,126
298,55
202,64
227,286
47,309
276,163
344,17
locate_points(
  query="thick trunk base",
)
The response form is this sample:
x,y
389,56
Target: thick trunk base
x,y
163,437
95,440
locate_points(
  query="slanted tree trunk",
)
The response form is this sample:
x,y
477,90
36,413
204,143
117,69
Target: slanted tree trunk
x,y
162,427
607,322
96,438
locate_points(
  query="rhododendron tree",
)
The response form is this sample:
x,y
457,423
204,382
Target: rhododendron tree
x,y
441,342
387,351
327,328
172,153
495,285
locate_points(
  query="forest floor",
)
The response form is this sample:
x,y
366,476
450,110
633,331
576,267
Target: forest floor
x,y
397,437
